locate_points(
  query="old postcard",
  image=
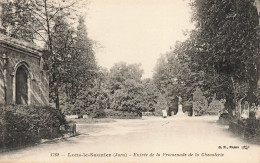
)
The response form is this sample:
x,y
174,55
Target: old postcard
x,y
129,81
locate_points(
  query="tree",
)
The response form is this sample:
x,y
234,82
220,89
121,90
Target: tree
x,y
227,45
121,72
63,41
33,20
166,77
18,24
69,55
175,75
161,104
152,94
200,103
162,77
126,89
79,68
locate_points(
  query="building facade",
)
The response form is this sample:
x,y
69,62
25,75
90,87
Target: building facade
x,y
23,80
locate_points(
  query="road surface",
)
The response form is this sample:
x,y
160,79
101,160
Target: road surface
x,y
152,139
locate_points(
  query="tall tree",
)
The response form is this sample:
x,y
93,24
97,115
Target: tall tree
x,y
152,94
227,43
37,21
79,67
126,89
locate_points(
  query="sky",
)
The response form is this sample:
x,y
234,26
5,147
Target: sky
x,y
136,31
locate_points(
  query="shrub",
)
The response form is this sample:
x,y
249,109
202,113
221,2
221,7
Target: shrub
x,y
121,114
23,125
91,101
216,105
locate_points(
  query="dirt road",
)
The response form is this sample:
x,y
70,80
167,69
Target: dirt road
x,y
185,139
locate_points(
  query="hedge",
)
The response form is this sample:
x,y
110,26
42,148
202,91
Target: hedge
x,y
121,114
248,128
25,125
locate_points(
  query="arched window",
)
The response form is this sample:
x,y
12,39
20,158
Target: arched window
x,y
21,85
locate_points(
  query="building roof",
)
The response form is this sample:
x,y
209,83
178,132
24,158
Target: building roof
x,y
21,44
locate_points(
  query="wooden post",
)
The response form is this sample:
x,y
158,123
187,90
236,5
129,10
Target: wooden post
x,y
71,127
74,126
20,139
244,129
4,130
51,132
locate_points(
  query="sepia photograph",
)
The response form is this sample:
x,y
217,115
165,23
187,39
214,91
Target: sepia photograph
x,y
129,81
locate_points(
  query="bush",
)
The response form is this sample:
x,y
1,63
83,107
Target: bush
x,y
121,114
24,125
248,128
91,102
216,105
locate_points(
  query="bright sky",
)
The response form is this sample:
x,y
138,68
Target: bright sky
x,y
136,31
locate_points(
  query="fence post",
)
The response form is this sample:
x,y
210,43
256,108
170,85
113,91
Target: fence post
x,y
60,132
70,130
74,129
20,139
4,132
71,127
51,132
244,129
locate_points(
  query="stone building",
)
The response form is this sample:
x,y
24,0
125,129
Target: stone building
x,y
23,81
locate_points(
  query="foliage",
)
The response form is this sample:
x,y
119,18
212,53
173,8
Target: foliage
x,y
129,98
120,73
69,53
161,105
76,60
226,42
200,103
152,94
174,76
91,101
126,89
20,125
221,55
110,113
216,105
187,106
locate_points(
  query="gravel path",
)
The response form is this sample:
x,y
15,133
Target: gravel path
x,y
152,139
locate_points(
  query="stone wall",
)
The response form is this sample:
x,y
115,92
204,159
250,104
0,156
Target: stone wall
x,y
22,55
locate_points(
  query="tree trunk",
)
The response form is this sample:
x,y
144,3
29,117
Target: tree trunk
x,y
57,100
230,105
53,57
251,97
251,92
